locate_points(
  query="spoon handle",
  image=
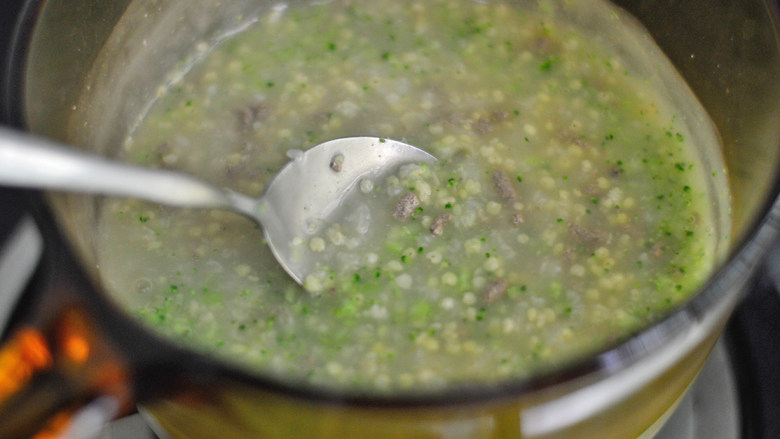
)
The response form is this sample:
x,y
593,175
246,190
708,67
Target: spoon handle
x,y
34,162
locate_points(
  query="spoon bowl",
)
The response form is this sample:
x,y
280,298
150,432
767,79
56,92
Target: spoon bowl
x,y
301,196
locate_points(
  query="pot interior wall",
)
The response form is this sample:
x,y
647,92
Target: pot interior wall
x,y
728,53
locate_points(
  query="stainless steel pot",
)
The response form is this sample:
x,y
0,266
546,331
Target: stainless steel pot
x,y
92,66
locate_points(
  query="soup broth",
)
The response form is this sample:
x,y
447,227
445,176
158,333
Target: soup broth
x,y
570,207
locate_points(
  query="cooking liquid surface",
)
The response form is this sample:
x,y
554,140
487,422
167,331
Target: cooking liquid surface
x,y
569,208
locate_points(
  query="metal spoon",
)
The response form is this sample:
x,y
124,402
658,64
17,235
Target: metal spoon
x,y
304,193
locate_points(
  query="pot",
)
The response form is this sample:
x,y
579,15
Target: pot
x,y
88,69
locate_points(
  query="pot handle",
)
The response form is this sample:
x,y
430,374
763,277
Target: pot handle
x,y
56,381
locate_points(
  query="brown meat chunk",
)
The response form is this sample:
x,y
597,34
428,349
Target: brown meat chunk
x,y
587,236
593,190
405,206
337,163
495,291
657,250
544,45
498,115
484,125
572,138
453,120
438,224
249,115
504,186
569,255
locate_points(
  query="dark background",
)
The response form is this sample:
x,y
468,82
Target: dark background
x,y
11,201
753,335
